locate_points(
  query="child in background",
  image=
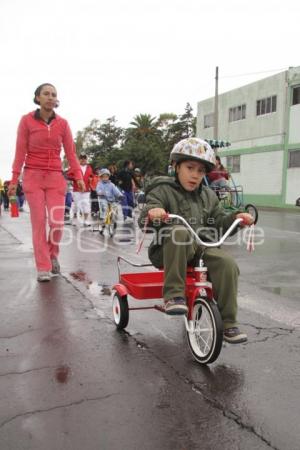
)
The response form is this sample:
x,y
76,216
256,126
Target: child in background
x,y
107,192
94,179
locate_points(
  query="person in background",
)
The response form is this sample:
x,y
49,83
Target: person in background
x,y
82,198
138,179
20,196
113,173
126,184
107,192
1,193
40,137
5,195
219,176
94,179
68,200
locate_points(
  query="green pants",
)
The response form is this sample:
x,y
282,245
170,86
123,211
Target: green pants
x,y
178,249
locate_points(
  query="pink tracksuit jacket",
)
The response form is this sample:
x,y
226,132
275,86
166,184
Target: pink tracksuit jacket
x,y
39,146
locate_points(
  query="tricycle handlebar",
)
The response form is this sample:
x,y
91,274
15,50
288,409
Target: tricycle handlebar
x,y
200,242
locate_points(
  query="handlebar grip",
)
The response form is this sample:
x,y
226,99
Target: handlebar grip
x,y
244,222
163,218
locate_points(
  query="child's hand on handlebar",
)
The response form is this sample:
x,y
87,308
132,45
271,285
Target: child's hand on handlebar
x,y
157,214
247,219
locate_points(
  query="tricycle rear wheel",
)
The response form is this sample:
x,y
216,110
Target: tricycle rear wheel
x,y
120,310
206,334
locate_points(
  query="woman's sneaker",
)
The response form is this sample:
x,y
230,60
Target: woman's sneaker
x,y
43,276
234,336
176,306
55,266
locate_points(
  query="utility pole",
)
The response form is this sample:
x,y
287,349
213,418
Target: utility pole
x,y
216,115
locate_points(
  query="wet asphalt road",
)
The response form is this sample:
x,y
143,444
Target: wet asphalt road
x,y
68,380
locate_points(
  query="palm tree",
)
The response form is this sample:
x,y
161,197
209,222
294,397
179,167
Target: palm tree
x,y
143,126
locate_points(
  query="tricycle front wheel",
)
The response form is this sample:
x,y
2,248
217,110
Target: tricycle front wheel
x,y
120,310
205,334
251,209
112,228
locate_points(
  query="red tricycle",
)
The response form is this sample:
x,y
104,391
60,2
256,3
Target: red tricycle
x,y
203,322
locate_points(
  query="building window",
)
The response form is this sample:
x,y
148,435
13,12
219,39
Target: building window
x,y
296,95
233,164
294,158
237,113
209,120
266,105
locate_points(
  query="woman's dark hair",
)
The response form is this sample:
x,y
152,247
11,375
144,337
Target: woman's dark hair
x,y
218,159
126,163
38,91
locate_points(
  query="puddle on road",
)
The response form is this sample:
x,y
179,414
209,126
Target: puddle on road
x,y
119,238
124,236
95,287
80,276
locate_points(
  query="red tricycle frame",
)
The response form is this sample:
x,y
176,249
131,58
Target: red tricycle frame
x,y
149,285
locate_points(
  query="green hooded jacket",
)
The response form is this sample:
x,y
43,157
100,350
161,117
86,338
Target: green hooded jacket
x,y
201,208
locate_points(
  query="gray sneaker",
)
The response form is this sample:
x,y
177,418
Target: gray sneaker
x,y
176,306
55,266
43,276
234,336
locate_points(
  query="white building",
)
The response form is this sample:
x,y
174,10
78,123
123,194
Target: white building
x,y
262,122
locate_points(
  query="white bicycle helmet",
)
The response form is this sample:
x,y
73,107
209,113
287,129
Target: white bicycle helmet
x,y
104,172
194,149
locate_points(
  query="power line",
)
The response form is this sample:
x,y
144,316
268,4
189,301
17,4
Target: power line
x,y
253,73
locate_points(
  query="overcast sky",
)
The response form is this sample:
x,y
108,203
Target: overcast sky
x,y
126,57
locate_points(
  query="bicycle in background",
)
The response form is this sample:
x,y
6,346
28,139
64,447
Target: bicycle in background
x,y
231,197
110,220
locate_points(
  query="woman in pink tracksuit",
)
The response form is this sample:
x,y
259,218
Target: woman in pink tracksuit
x,y
41,134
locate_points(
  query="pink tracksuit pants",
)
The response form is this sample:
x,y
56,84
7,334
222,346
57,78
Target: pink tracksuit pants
x,y
45,193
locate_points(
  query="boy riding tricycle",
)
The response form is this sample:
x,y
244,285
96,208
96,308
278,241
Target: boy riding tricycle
x,y
174,249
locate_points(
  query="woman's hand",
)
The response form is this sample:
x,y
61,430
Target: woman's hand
x,y
156,213
12,189
81,185
247,219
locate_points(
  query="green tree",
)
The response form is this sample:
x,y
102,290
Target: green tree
x,y
88,137
147,141
183,127
188,121
144,145
145,153
100,141
143,126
